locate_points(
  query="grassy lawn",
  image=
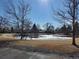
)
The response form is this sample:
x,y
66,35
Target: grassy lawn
x,y
63,46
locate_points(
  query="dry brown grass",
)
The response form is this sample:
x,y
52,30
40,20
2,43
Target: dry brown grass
x,y
6,38
63,46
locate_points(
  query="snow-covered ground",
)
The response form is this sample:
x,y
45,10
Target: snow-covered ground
x,y
47,37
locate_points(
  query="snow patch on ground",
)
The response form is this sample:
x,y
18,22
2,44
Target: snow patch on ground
x,y
46,37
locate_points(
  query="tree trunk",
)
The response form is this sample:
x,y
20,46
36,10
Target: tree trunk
x,y
22,32
73,36
74,17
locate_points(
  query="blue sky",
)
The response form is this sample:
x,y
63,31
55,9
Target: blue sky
x,y
41,10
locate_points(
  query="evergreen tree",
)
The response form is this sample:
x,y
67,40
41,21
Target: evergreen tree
x,y
35,29
69,29
63,29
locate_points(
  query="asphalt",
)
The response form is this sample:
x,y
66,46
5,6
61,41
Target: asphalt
x,y
8,53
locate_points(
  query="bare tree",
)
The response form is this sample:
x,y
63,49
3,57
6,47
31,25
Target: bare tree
x,y
3,23
70,14
49,28
19,11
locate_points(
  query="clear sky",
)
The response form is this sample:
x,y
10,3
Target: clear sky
x,y
41,10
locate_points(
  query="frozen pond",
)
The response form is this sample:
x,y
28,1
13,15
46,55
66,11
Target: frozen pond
x,y
46,37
